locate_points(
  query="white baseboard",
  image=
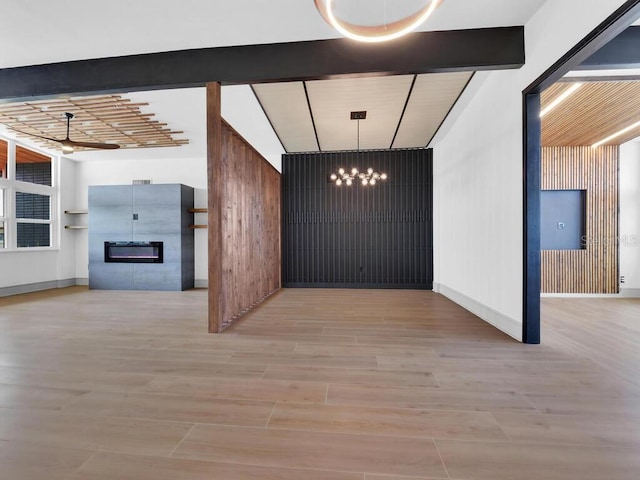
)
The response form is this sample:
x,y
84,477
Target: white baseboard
x,y
508,325
580,295
37,287
630,292
67,282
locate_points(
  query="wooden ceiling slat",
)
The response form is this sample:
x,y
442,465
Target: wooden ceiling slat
x,y
595,111
110,118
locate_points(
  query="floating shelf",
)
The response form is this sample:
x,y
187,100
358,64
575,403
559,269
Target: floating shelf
x,y
192,227
76,227
76,212
198,210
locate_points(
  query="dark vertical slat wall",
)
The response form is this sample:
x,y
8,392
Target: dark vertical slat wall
x,y
360,236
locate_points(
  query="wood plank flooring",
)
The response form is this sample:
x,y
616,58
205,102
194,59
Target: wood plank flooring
x,y
314,385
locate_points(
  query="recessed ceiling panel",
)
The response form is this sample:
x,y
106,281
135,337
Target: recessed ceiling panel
x,y
286,106
332,101
591,114
431,100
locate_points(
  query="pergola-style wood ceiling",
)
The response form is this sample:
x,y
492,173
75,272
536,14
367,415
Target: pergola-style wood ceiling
x,y
592,113
107,118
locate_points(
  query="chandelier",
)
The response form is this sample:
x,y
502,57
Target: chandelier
x,y
376,33
370,177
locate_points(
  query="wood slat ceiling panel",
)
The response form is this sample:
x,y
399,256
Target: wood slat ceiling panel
x,y
4,153
431,100
24,155
595,111
106,118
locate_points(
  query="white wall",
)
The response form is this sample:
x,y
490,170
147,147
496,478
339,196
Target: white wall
x,y
191,172
28,267
478,171
630,217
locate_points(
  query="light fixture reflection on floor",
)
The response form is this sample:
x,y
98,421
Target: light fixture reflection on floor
x,y
370,177
376,33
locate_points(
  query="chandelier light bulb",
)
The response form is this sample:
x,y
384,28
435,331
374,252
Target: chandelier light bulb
x,y
367,177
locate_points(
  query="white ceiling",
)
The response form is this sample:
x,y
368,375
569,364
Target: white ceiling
x,y
36,32
400,113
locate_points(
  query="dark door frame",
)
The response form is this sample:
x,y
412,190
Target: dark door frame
x,y
594,41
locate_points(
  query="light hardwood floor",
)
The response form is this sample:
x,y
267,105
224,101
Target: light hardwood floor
x,y
315,384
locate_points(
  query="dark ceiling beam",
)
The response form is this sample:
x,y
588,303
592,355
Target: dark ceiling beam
x,y
424,52
621,52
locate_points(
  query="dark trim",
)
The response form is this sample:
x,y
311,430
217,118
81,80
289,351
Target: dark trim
x,y
420,52
532,177
621,52
379,286
268,118
313,120
596,39
404,109
451,109
601,35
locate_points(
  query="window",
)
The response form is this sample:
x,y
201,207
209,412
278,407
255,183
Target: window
x,y
33,212
27,198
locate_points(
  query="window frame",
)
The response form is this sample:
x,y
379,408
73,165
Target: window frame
x,y
11,187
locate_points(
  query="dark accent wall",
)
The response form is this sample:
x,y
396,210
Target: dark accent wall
x,y
360,236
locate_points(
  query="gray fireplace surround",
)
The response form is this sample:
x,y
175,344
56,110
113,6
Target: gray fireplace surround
x,y
139,216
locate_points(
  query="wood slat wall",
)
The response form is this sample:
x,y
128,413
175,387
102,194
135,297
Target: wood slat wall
x,y
594,269
250,227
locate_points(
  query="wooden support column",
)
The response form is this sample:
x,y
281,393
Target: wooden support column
x,y
214,203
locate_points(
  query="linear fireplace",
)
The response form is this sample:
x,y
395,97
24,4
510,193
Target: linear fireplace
x,y
133,252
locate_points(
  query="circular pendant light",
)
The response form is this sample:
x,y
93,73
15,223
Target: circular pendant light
x,y
375,33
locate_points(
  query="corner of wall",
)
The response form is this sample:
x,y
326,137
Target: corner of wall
x,y
502,322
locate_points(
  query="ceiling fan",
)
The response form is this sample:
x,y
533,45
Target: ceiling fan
x,y
69,145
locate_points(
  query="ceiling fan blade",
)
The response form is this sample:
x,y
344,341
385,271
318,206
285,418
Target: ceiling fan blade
x,y
34,135
102,146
